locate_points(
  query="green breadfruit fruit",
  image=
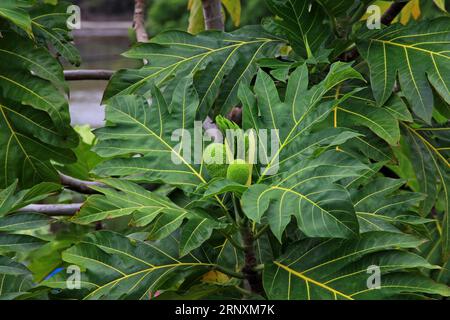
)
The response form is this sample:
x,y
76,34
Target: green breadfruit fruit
x,y
215,159
239,171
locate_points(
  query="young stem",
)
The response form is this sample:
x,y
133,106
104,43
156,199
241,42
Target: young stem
x,y
236,208
233,242
230,272
260,232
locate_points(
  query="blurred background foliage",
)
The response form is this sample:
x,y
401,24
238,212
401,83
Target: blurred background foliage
x,y
167,14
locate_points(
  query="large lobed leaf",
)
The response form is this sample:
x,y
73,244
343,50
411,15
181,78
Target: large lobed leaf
x,y
300,183
418,54
15,278
49,23
140,137
303,23
148,208
338,269
117,267
34,116
218,61
431,167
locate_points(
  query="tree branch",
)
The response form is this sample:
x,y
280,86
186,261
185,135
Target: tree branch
x,y
139,21
77,75
212,12
80,186
53,209
250,262
392,12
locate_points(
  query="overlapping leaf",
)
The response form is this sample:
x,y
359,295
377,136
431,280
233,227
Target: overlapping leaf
x,y
219,61
12,199
432,171
303,23
120,268
34,116
18,243
49,23
140,137
292,119
305,189
380,206
361,110
15,11
308,192
15,278
129,199
23,221
419,54
338,269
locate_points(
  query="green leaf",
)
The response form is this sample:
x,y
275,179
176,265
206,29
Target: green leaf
x,y
301,186
23,221
418,54
125,199
117,267
339,8
337,269
380,206
86,158
15,278
218,61
14,11
49,24
9,266
21,52
308,192
361,110
28,139
221,186
129,199
440,4
148,132
294,118
302,22
431,169
34,115
18,242
24,88
11,201
196,231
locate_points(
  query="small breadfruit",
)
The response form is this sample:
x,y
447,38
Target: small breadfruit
x,y
239,171
215,159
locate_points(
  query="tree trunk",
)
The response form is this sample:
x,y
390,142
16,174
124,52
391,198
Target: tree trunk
x,y
212,11
139,21
253,277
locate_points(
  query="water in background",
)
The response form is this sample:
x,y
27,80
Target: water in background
x,y
101,45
